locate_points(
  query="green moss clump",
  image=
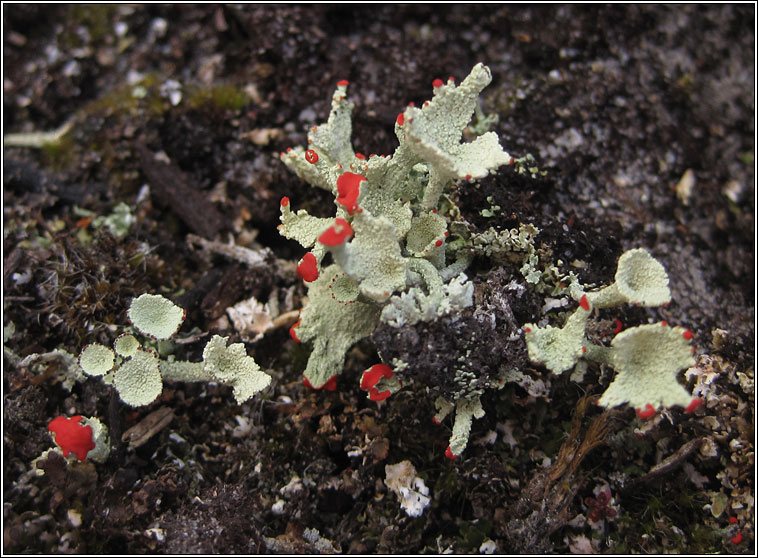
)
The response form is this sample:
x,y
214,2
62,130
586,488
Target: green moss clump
x,y
222,97
96,18
60,154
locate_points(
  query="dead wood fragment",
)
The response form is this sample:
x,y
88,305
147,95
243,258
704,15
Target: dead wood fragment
x,y
671,463
230,288
544,503
252,258
171,187
148,427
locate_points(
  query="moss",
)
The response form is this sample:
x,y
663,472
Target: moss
x,y
97,19
145,97
222,97
554,437
60,155
706,539
128,99
747,158
473,534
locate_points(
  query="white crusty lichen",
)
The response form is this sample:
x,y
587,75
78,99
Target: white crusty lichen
x,y
391,247
415,305
66,370
648,358
413,493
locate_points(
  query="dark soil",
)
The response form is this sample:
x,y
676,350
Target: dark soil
x,y
618,104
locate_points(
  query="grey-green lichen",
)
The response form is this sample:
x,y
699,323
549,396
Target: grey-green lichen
x,y
137,372
389,240
155,316
648,358
398,245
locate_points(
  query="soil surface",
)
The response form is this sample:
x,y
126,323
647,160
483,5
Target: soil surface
x,y
641,121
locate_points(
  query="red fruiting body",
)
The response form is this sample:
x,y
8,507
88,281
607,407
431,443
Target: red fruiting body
x,y
337,233
308,268
330,385
289,149
285,201
400,119
447,233
451,78
371,377
360,155
694,404
71,436
349,188
733,520
411,104
468,177
687,335
437,83
449,454
292,331
435,421
375,395
737,539
511,161
584,349
618,326
311,156
584,303
343,82
438,243
528,329
664,323
647,412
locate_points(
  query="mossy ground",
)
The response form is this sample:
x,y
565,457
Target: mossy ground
x,y
616,103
